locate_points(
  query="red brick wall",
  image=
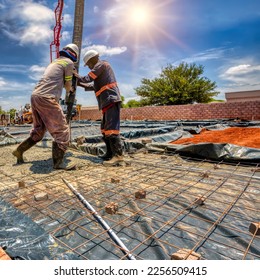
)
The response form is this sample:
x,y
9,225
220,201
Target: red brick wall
x,y
249,110
90,114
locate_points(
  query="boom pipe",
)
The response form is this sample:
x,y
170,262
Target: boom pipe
x,y
76,39
103,223
57,29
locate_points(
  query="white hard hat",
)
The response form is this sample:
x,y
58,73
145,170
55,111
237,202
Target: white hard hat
x,y
73,47
88,55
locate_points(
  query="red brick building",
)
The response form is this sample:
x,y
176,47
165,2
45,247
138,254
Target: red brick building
x,y
251,95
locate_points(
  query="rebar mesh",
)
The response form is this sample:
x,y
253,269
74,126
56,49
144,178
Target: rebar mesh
x,y
203,206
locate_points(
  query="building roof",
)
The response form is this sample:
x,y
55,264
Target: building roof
x,y
243,96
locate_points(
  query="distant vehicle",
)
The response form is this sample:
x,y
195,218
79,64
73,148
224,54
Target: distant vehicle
x,y
27,117
24,115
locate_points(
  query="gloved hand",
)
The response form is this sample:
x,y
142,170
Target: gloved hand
x,y
72,90
69,97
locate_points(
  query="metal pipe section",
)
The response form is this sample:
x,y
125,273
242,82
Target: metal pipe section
x,y
78,26
76,39
99,219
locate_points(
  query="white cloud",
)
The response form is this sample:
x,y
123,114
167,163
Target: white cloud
x,y
210,54
113,12
28,23
36,71
66,36
14,94
8,33
127,90
243,76
245,73
34,12
241,69
96,9
115,18
13,68
104,50
36,35
67,20
2,82
13,86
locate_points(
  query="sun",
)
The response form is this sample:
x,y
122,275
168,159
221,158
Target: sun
x,y
140,23
140,16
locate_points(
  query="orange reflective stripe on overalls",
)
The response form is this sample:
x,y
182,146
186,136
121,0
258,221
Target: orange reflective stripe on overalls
x,y
92,75
105,87
110,132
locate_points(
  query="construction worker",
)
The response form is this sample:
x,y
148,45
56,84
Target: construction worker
x,y
46,111
109,101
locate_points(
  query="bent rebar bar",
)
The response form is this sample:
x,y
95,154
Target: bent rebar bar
x,y
99,219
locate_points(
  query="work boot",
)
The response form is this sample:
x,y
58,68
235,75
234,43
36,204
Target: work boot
x,y
117,151
57,157
108,154
24,146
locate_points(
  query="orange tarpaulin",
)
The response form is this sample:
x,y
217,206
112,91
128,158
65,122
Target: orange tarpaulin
x,y
247,137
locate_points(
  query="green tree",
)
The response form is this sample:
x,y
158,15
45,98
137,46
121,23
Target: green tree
x,y
133,103
1,110
183,84
12,113
123,100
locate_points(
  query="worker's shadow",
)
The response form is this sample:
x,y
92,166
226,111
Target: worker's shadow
x,y
83,158
42,166
46,166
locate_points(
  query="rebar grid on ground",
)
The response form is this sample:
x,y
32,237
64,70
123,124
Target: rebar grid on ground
x,y
203,206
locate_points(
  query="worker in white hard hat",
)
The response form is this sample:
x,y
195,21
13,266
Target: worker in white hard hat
x,y
46,111
102,80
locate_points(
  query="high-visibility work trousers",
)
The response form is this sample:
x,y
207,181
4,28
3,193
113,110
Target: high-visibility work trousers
x,y
110,123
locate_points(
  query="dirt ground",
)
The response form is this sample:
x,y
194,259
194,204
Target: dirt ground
x,y
248,137
38,162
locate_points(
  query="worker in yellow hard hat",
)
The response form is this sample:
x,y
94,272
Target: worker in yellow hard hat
x,y
102,80
46,111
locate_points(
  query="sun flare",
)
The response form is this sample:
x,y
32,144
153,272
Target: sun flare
x,y
143,22
140,16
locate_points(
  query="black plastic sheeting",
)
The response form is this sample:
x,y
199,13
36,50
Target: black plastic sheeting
x,y
161,133
162,136
218,152
141,226
23,239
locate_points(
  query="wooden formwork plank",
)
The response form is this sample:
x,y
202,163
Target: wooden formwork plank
x,y
3,255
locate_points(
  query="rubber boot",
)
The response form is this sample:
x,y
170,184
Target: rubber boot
x,y
117,151
58,156
108,155
24,146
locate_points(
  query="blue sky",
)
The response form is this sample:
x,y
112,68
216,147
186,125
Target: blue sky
x,y
221,35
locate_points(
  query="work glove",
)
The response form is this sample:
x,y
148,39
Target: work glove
x,y
69,97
